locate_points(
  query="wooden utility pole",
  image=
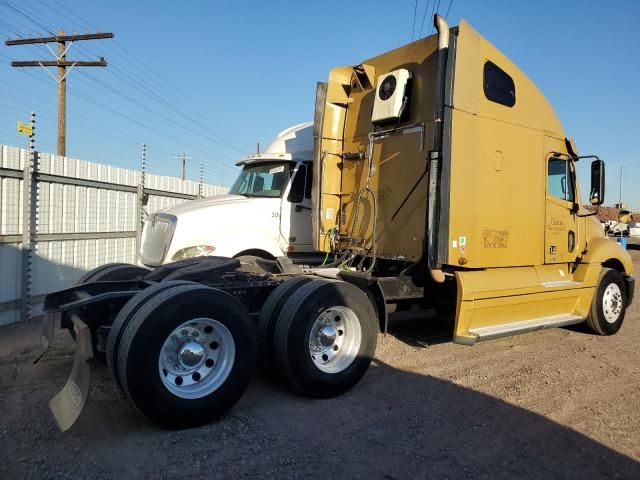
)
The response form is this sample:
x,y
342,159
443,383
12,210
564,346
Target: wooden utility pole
x,y
61,62
62,99
184,165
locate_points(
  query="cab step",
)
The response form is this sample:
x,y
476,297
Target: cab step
x,y
497,331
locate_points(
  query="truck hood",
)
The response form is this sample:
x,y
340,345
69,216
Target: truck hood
x,y
231,223
211,202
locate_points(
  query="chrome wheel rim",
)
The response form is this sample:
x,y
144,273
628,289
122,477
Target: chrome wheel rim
x,y
335,339
196,358
612,303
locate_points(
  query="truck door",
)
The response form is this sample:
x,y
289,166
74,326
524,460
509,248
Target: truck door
x,y
295,214
562,242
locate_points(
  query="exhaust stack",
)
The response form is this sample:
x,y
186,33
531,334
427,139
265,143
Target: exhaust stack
x,y
435,155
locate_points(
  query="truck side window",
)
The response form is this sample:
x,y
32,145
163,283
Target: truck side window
x,y
296,194
560,180
498,85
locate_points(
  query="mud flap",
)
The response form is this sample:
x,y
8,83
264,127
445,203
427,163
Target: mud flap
x,y
68,403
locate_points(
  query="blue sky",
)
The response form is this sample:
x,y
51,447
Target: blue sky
x,y
210,79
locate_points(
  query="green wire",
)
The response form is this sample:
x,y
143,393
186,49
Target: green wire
x,y
326,257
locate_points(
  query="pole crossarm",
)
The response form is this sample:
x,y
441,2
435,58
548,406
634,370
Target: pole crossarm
x,y
64,66
53,63
56,63
58,38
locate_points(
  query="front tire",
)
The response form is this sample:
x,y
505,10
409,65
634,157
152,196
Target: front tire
x,y
609,304
187,355
325,338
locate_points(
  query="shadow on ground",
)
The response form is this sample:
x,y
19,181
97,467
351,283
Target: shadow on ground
x,y
394,424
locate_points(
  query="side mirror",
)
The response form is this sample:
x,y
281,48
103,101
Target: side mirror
x,y
596,197
624,216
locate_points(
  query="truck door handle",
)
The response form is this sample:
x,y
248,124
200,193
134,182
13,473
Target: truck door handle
x,y
299,208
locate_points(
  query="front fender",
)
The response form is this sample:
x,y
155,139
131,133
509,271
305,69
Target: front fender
x,y
234,245
601,249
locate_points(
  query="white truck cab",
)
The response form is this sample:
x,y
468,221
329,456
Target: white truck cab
x,y
266,213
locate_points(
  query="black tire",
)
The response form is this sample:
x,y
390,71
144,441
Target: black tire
x,y
293,331
269,316
606,317
103,273
112,272
124,317
144,336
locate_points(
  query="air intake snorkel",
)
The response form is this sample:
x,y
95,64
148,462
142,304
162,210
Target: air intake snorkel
x,y
435,155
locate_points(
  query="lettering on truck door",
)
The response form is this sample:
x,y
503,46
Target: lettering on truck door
x,y
561,228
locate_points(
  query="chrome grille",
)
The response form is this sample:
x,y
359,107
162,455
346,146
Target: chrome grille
x,y
156,238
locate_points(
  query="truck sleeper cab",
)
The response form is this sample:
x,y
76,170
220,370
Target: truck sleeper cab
x,y
441,177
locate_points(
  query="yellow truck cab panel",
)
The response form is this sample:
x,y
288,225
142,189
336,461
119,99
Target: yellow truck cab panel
x,y
497,149
509,227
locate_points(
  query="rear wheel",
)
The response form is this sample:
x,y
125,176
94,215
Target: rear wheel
x,y
609,303
107,273
269,316
187,355
124,317
112,272
325,338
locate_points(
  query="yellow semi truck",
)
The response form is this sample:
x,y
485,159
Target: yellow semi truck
x,y
442,177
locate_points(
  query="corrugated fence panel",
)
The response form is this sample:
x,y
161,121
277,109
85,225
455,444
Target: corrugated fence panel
x,y
10,279
74,209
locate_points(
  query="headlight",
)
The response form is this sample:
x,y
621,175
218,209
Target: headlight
x,y
190,252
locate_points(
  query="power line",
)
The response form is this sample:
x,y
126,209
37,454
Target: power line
x,y
413,28
22,14
83,141
141,82
138,64
424,15
434,10
448,8
62,64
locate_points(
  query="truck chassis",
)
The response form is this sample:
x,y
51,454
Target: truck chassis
x,y
181,341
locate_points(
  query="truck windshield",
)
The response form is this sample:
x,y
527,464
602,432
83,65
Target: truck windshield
x,y
268,179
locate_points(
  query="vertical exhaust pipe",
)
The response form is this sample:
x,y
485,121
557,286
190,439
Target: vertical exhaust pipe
x,y
435,155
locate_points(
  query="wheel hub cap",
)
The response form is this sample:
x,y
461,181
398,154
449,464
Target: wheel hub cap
x,y
335,339
196,358
327,335
191,354
612,303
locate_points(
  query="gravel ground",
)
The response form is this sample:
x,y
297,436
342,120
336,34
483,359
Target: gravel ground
x,y
552,404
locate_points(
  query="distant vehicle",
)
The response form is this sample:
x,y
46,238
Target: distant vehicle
x,y
266,214
616,228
